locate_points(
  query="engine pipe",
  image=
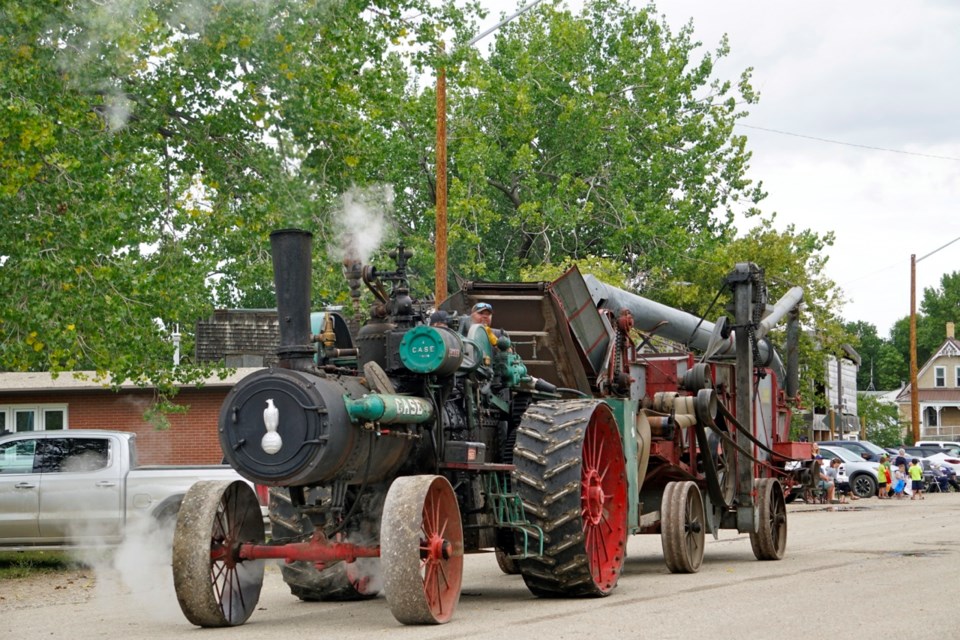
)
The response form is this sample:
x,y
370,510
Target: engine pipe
x,y
389,409
291,249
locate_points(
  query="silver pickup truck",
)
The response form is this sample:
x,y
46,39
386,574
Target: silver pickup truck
x,y
82,488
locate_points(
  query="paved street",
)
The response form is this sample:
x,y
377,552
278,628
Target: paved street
x,y
828,585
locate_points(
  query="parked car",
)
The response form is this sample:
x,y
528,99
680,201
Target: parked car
x,y
913,452
862,474
940,444
945,460
863,448
83,487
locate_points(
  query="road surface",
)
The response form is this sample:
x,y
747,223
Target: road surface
x,y
852,571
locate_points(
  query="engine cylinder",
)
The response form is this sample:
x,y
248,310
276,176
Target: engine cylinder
x,y
318,442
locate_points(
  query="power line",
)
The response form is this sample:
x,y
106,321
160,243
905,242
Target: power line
x,y
849,144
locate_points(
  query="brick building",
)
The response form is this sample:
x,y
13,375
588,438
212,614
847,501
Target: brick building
x,y
37,401
244,339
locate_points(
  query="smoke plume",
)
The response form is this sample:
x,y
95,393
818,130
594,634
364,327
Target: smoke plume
x,y
361,222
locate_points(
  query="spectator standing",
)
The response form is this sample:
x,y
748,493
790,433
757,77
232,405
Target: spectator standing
x,y
916,477
883,474
899,480
901,459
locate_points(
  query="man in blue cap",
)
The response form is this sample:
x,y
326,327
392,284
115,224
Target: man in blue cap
x,y
482,313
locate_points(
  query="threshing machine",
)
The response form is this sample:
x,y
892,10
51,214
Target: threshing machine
x,y
394,451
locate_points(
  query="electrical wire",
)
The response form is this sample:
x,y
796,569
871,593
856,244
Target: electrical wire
x,y
848,144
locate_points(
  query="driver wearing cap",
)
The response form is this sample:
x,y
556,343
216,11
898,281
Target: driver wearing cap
x,y
482,313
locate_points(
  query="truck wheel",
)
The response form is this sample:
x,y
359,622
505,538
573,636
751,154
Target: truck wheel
x,y
341,582
769,542
571,475
214,586
864,485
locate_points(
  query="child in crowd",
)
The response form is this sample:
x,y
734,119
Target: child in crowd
x,y
916,477
883,472
899,481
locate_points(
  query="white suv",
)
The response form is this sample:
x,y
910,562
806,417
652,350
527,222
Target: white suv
x,y
940,444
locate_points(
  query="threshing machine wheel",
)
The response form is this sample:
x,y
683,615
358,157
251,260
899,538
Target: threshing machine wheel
x,y
343,581
571,475
770,540
683,527
421,549
214,587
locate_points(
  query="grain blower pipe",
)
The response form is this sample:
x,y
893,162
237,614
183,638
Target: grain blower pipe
x,y
291,249
685,327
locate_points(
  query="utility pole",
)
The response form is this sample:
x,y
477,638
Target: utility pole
x,y
914,392
440,267
440,232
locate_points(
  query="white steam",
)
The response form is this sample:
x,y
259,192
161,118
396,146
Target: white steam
x,y
361,222
141,567
117,111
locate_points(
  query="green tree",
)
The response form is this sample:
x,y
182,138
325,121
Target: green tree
x,y
938,306
148,148
883,421
881,364
595,134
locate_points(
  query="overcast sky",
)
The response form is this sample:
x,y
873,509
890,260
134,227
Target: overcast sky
x,y
883,74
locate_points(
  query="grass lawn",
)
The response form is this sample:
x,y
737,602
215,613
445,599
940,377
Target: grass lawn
x,y
21,564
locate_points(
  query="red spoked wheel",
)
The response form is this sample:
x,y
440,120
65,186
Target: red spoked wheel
x,y
571,476
603,498
421,550
214,586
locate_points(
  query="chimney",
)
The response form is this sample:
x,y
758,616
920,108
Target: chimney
x,y
950,330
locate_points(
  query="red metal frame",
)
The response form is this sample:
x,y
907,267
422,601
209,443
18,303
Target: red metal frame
x,y
318,550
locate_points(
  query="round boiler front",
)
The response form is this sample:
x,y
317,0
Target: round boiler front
x,y
284,427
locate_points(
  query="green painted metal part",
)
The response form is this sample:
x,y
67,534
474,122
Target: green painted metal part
x,y
388,409
625,411
426,349
508,512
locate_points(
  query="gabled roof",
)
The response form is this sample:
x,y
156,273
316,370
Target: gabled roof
x,y
19,382
949,349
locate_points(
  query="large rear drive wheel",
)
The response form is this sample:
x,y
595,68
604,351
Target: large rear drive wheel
x,y
769,542
571,475
682,527
214,587
343,581
421,549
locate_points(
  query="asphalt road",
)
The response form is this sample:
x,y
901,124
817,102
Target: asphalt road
x,y
865,570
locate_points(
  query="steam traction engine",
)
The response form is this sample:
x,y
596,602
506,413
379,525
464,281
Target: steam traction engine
x,y
392,453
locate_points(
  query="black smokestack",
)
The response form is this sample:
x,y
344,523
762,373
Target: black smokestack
x,y
291,276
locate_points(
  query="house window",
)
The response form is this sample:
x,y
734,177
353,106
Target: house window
x,y
956,380
940,376
24,417
931,415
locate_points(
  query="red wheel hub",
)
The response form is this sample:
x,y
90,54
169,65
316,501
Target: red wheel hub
x,y
593,497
